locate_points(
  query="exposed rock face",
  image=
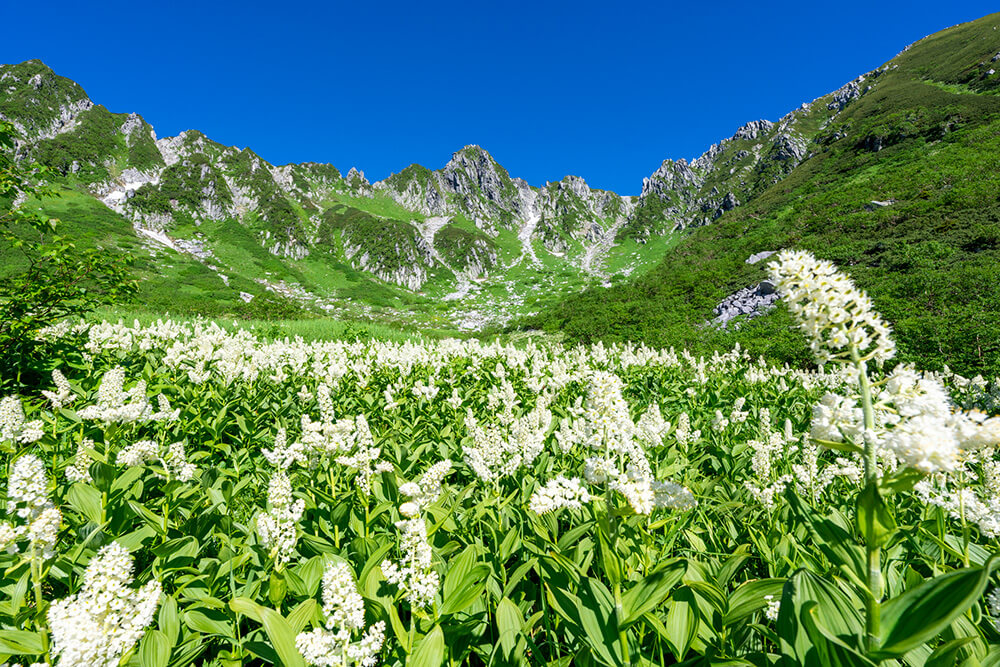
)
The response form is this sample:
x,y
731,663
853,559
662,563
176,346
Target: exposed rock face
x,y
846,94
681,194
749,302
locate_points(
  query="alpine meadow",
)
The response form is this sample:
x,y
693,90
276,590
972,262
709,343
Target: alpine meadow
x,y
260,414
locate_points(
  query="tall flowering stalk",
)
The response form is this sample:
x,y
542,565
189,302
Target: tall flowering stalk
x,y
334,644
106,618
604,428
843,327
278,526
36,521
904,421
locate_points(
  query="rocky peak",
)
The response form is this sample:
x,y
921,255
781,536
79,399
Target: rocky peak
x,y
356,177
38,102
474,165
753,129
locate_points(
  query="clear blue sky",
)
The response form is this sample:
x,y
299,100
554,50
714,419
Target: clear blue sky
x,y
601,90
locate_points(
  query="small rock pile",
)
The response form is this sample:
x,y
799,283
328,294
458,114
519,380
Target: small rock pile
x,y
750,302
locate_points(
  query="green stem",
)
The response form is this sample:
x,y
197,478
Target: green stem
x,y
620,618
873,607
36,581
413,632
965,525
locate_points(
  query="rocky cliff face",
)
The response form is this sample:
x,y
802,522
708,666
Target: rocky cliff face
x,y
298,210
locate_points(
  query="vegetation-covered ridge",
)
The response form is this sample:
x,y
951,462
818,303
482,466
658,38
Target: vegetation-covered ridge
x,y
505,248
901,186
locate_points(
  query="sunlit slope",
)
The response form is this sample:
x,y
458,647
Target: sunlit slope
x,y
902,188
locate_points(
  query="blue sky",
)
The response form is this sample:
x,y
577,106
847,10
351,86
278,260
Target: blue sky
x,y
601,90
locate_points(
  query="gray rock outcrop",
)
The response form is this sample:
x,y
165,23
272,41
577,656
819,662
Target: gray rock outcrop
x,y
747,303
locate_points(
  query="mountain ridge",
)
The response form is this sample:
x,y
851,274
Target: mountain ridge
x,y
465,245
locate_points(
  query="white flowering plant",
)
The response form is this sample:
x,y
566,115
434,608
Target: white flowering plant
x,y
488,503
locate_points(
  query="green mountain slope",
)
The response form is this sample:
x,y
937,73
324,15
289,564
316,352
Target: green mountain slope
x,y
901,188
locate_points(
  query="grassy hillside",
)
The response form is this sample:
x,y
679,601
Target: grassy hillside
x,y
927,139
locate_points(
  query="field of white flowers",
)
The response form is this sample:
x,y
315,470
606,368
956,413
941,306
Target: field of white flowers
x,y
182,495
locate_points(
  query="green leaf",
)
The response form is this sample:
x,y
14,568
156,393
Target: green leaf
x,y
946,655
86,500
649,592
278,630
20,642
282,637
874,521
169,622
833,650
209,622
901,480
154,650
429,651
463,584
921,613
590,614
509,623
749,597
610,562
834,614
682,622
299,617
833,537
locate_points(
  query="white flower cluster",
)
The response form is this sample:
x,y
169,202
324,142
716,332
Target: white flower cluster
x,y
559,493
954,494
278,526
344,613
37,521
915,422
993,602
79,469
115,404
773,607
413,574
652,427
174,461
208,353
63,395
12,425
365,456
683,434
500,451
282,455
835,314
421,494
603,423
347,441
103,621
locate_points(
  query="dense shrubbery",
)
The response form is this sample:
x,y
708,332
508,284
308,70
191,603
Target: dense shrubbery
x,y
44,278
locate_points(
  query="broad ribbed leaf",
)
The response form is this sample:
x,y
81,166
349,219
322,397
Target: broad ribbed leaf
x,y
20,642
836,613
154,650
649,592
682,622
832,650
282,637
833,537
749,597
921,613
509,623
429,651
874,521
